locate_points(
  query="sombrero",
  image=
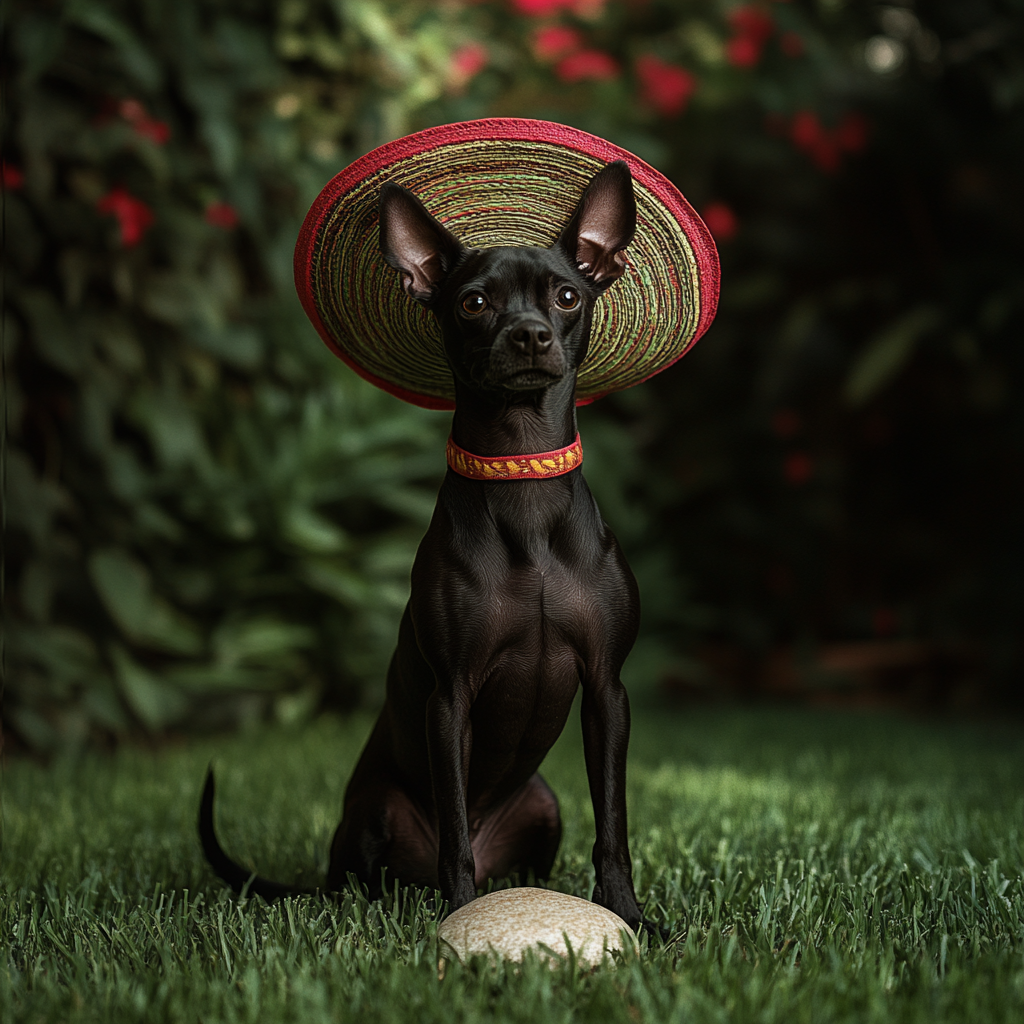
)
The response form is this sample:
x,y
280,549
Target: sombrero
x,y
500,181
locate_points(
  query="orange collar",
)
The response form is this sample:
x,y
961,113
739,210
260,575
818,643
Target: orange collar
x,y
515,467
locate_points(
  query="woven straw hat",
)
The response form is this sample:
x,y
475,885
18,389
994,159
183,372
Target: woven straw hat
x,y
501,181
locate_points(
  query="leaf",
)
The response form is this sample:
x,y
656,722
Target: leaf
x,y
173,429
137,60
38,39
259,640
315,533
61,346
155,702
199,679
125,587
36,589
31,500
63,652
887,353
239,346
341,584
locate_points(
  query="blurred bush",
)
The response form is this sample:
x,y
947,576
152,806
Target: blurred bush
x,y
840,460
209,518
207,515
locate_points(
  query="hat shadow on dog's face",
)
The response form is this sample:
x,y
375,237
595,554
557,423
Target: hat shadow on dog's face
x,y
513,317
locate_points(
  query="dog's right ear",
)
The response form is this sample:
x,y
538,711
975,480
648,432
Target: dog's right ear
x,y
420,248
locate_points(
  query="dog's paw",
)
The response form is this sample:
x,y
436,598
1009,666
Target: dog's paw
x,y
653,930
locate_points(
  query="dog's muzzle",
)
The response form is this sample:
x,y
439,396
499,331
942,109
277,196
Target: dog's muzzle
x,y
526,354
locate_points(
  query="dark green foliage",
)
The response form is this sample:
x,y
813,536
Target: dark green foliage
x,y
811,868
840,458
207,512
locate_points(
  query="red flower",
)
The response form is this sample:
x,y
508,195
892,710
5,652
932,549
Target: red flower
x,y
798,468
826,155
821,145
786,423
467,62
149,128
587,64
666,87
132,214
555,41
752,22
539,8
742,51
811,136
155,131
806,131
751,28
720,220
791,44
221,215
131,110
852,133
589,10
11,177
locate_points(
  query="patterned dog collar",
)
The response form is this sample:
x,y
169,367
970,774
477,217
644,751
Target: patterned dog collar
x,y
515,467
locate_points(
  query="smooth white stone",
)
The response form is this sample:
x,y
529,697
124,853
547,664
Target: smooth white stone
x,y
509,922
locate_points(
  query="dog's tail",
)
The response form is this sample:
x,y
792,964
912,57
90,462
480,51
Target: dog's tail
x,y
242,881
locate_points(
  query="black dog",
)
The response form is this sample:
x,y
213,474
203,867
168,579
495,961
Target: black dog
x,y
519,590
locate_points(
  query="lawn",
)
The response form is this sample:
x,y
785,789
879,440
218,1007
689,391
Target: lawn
x,y
811,867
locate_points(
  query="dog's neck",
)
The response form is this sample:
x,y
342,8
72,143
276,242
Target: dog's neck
x,y
491,423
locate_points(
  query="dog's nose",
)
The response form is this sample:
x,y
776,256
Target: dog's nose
x,y
532,337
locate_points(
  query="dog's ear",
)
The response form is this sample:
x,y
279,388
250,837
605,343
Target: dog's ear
x,y
414,243
602,226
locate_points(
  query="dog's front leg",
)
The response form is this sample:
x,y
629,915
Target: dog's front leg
x,y
605,715
449,740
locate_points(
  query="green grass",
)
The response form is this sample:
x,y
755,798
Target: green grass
x,y
813,867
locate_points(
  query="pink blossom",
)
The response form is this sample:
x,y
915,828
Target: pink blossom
x,y
556,41
148,127
468,61
594,65
539,8
133,216
666,87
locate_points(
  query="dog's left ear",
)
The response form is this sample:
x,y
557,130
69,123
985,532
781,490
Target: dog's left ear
x,y
602,226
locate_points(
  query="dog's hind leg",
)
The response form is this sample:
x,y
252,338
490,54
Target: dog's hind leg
x,y
383,830
522,834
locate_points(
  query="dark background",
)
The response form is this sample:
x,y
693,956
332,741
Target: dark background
x,y
210,520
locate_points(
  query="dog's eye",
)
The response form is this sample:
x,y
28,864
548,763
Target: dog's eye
x,y
474,303
567,298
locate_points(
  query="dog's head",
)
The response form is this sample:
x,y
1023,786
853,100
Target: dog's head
x,y
513,318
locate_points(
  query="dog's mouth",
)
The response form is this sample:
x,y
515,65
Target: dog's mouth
x,y
529,379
